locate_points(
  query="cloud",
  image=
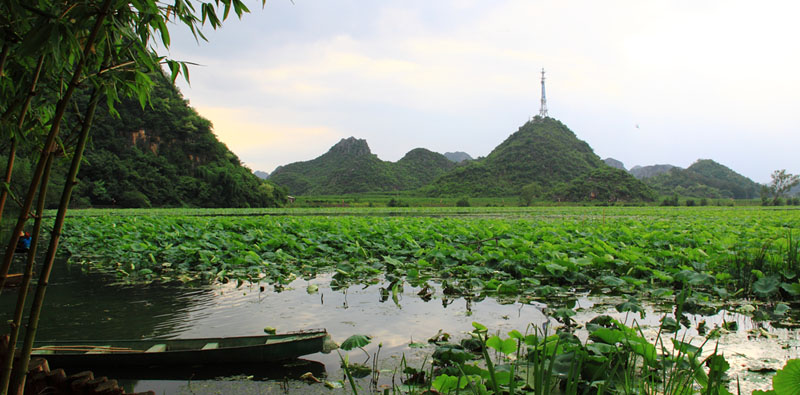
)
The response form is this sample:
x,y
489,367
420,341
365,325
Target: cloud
x,y
704,79
264,145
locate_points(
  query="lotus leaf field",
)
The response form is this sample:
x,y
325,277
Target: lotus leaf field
x,y
721,254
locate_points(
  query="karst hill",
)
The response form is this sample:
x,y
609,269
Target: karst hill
x,y
543,154
350,167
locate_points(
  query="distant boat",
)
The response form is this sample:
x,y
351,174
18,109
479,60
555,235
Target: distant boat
x,y
181,352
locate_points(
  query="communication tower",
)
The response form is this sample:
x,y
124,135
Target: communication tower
x,y
543,108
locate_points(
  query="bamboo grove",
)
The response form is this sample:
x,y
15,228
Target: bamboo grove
x,y
58,60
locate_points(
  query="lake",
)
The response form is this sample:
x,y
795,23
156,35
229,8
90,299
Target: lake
x,y
84,305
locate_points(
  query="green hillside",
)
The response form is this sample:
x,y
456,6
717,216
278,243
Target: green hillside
x,y
350,167
165,155
705,178
546,154
420,167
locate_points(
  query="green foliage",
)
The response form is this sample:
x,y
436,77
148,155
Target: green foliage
x,y
673,201
785,381
704,179
782,182
542,152
350,167
167,155
163,155
49,50
615,359
355,341
605,184
529,193
495,252
463,202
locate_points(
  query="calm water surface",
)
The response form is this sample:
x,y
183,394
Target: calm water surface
x,y
89,306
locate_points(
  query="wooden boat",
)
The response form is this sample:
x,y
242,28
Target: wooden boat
x,y
182,352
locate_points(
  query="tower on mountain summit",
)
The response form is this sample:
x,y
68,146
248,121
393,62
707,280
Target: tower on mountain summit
x,y
543,108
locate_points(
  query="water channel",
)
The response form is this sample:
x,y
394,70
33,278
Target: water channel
x,y
82,305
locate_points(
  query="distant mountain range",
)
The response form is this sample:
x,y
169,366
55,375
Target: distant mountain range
x,y
705,178
350,167
543,156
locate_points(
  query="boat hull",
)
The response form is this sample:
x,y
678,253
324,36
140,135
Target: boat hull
x,y
228,350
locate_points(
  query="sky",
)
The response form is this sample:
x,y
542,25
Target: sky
x,y
644,82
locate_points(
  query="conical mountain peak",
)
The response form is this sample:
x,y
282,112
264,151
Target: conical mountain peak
x,y
351,146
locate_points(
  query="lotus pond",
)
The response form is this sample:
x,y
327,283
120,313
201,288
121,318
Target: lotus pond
x,y
400,276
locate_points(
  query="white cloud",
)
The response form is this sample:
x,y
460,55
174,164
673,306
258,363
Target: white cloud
x,y
465,75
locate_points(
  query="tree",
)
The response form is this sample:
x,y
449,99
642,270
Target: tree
x,y
529,193
48,50
781,183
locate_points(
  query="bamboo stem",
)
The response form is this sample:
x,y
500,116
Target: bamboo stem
x,y
4,56
12,152
41,287
48,145
16,323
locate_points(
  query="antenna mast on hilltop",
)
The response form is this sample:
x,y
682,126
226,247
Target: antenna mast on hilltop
x,y
543,108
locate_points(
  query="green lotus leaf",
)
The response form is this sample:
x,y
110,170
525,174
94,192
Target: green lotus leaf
x,y
787,380
355,341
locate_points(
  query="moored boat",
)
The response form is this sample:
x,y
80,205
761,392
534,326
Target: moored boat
x,y
173,352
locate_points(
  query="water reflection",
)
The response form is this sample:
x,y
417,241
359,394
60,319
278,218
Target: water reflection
x,y
86,306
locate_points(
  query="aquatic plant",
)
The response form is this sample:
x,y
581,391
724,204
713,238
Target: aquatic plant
x,y
538,253
615,359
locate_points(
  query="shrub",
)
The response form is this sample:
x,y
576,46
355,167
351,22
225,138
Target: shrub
x,y
396,203
463,202
134,199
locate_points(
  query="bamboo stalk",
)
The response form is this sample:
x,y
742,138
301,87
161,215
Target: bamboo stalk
x,y
48,145
12,152
16,323
4,56
47,267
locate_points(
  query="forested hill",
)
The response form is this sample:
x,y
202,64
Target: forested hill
x,y
705,178
546,157
350,167
165,155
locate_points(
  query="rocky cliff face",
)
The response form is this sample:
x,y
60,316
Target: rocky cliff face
x,y
615,163
350,146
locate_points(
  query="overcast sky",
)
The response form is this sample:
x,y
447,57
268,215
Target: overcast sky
x,y
644,82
